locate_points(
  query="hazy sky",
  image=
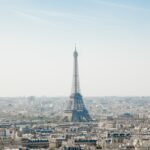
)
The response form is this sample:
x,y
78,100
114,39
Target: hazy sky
x,y
37,39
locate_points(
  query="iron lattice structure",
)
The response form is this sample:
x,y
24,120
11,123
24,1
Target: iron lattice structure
x,y
76,107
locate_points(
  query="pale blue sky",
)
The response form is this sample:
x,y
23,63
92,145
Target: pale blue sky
x,y
37,39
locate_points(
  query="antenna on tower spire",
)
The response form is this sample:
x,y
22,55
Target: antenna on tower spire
x,y
75,47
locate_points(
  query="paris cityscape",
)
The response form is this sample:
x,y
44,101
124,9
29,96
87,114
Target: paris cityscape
x,y
74,75
42,122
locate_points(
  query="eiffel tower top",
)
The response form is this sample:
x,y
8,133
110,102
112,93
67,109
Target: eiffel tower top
x,y
75,83
75,52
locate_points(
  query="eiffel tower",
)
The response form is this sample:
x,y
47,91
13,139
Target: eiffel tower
x,y
76,110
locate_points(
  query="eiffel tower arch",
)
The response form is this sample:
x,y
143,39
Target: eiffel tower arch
x,y
76,110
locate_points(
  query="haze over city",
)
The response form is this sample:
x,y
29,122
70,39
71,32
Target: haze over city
x,y
74,75
37,39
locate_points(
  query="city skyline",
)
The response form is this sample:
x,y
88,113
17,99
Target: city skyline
x,y
37,40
